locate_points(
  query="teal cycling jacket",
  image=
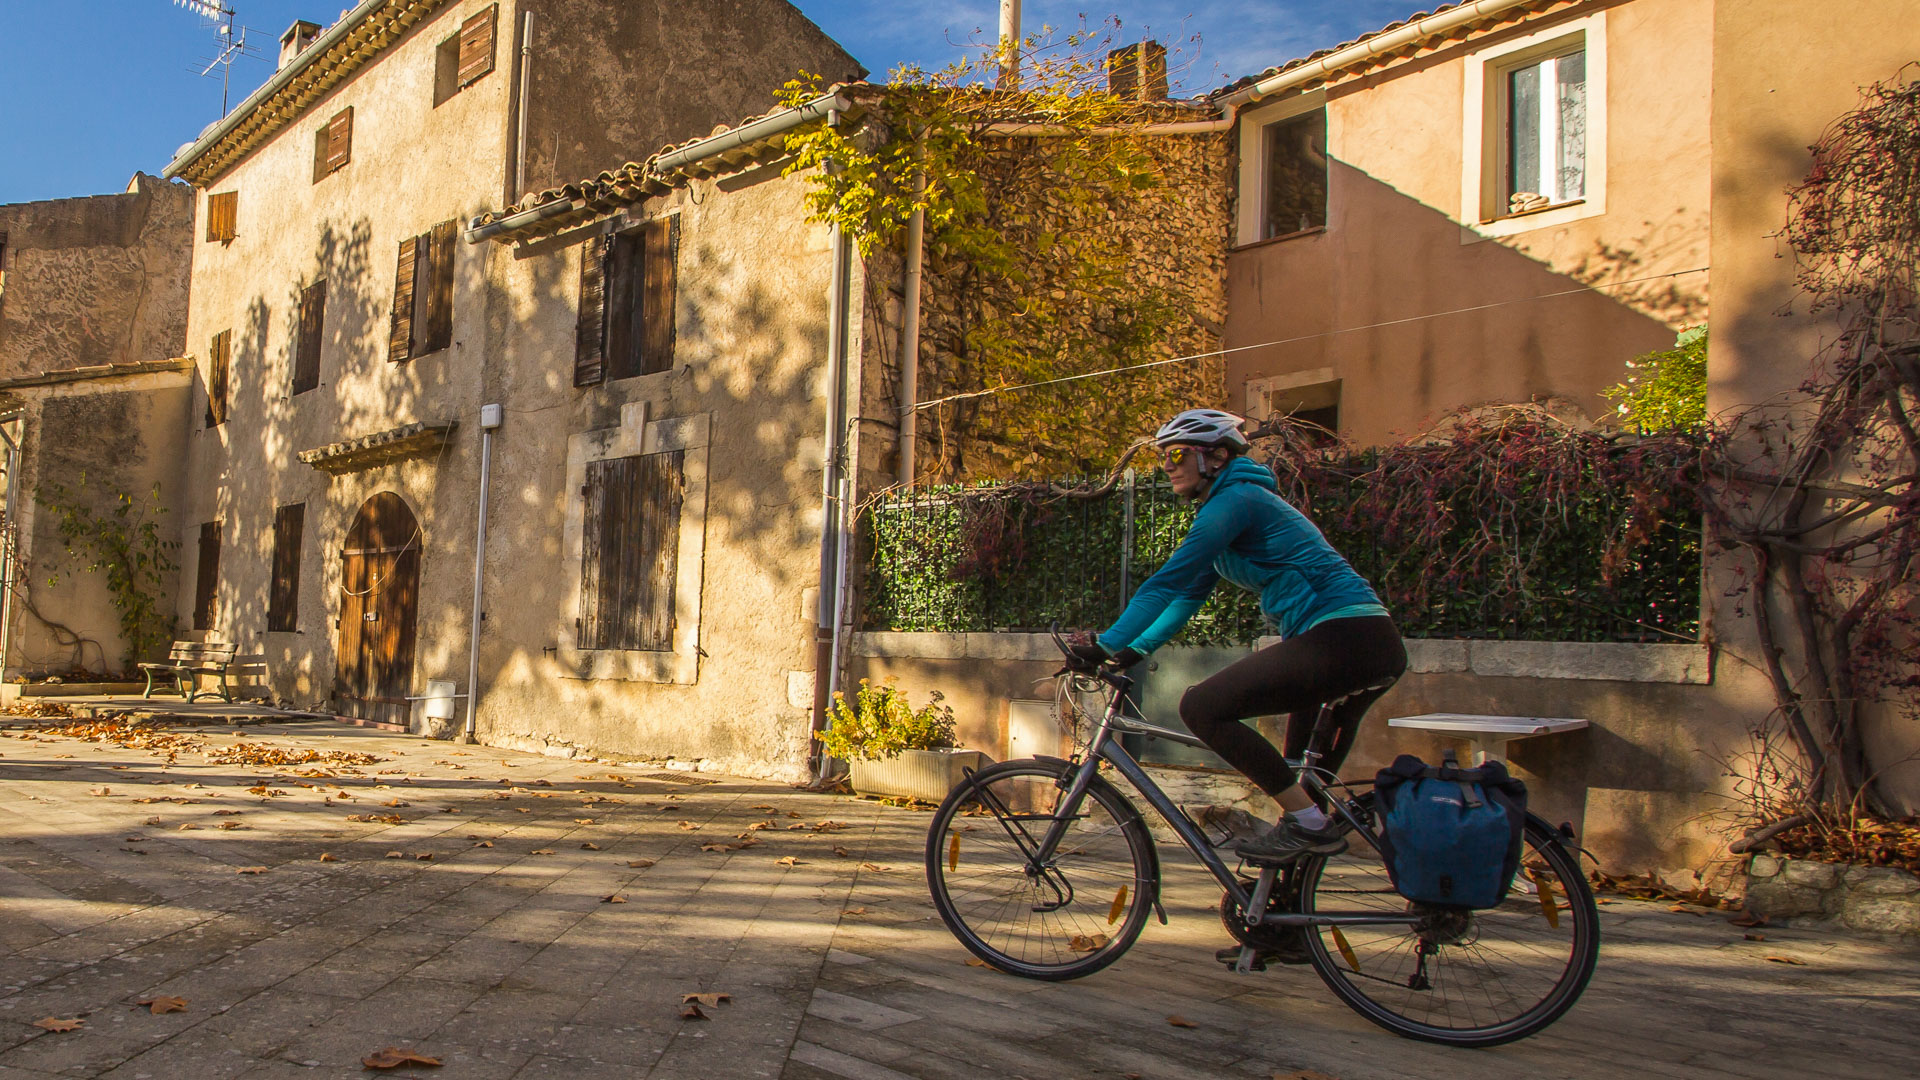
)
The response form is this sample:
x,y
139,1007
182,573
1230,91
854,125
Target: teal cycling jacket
x,y
1246,533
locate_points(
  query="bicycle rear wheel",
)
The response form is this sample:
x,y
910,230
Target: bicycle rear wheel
x,y
1459,977
1063,917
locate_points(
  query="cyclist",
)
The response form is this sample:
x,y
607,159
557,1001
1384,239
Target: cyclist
x,y
1336,638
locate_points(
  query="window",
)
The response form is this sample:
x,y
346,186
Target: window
x,y
219,352
306,348
1296,181
464,57
333,145
206,583
627,286
283,599
422,317
1544,112
222,209
629,551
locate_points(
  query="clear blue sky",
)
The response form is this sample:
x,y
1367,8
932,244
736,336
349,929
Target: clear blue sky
x,y
92,90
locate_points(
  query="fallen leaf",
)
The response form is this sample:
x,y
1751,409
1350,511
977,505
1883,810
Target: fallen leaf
x,y
1756,937
100,791
788,860
840,851
1682,909
590,846
718,845
251,870
709,1000
1181,1022
794,813
231,825
394,803
616,898
164,1004
393,1057
691,1012
1748,918
875,867
855,911
186,826
328,856
523,809
395,854
640,864
688,825
152,821
484,843
423,856
766,808
974,961
541,851
1087,943
138,840
228,813
53,1023
1787,960
583,821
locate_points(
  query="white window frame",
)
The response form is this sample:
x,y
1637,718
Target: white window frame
x,y
1253,159
1484,137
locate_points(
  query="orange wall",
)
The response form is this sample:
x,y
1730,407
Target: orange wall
x,y
1395,247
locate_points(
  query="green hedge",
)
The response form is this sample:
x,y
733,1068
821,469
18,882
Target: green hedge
x,y
966,560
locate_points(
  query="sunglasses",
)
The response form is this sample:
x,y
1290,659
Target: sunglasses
x,y
1175,456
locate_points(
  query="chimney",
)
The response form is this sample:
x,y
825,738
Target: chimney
x,y
1138,72
295,41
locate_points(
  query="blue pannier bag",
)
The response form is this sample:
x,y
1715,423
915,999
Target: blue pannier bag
x,y
1450,835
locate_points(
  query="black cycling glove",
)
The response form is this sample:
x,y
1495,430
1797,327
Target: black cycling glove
x,y
1086,655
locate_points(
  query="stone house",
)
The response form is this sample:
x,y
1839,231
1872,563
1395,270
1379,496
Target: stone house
x,y
93,399
359,370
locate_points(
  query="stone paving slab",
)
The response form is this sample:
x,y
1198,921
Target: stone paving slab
x,y
458,901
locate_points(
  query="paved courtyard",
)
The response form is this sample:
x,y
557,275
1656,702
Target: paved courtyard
x,y
520,916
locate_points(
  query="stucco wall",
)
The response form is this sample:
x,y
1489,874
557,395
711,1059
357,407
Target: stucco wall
x,y
611,82
749,358
95,280
1397,249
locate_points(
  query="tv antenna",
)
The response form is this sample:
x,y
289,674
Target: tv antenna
x,y
230,43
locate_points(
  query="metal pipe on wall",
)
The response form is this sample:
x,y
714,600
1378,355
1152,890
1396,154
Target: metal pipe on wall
x,y
489,420
910,338
526,68
827,606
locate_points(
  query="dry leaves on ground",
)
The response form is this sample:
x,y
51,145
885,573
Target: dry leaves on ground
x,y
583,821
1087,942
164,1004
393,1057
328,856
251,870
541,851
788,860
100,791
484,843
974,961
616,898
590,846
854,911
688,826
1181,1022
395,854
640,864
840,851
766,808
1755,937
691,1012
876,868
707,999
1786,960
55,1024
383,819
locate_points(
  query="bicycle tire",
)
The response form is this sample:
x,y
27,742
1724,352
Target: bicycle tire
x,y
1492,976
1082,914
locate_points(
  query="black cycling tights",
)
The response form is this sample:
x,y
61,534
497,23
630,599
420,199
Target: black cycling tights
x,y
1296,677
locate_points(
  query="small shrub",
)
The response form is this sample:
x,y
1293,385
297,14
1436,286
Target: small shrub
x,y
882,723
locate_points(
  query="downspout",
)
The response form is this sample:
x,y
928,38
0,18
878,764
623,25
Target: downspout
x,y
526,75
910,335
827,606
9,539
489,419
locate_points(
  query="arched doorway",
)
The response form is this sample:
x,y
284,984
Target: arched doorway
x,y
379,602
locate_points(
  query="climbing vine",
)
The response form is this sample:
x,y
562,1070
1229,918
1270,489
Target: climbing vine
x,y
124,544
1041,206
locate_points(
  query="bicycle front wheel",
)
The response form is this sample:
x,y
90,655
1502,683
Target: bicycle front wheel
x,y
1054,915
1456,976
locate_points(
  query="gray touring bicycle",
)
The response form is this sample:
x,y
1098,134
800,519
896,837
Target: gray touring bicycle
x,y
1044,869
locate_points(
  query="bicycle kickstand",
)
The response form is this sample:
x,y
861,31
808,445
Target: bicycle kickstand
x,y
1255,916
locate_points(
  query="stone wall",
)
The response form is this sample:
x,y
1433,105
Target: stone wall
x,y
1801,892
1161,258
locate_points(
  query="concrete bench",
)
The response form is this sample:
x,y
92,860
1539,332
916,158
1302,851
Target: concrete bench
x,y
1489,735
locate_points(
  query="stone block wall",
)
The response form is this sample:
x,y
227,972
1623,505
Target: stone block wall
x,y
1874,899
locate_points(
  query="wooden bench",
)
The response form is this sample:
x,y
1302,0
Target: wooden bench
x,y
187,661
1488,734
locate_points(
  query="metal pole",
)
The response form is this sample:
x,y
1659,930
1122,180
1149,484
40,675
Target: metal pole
x,y
1009,45
526,67
489,419
910,338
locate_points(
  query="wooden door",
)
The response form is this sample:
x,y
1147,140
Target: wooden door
x,y
379,604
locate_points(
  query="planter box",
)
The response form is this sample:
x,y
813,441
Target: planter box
x,y
919,774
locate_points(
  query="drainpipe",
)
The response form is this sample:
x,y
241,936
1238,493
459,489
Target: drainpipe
x,y
9,540
1009,45
827,620
489,420
526,69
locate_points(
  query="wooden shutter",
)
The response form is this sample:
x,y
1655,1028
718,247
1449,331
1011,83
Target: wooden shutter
x,y
222,214
400,332
219,352
283,601
205,585
590,332
438,329
657,297
623,271
630,552
340,139
306,353
476,44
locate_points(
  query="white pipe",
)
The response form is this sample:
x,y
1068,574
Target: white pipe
x,y
489,419
1009,45
910,337
526,68
1373,46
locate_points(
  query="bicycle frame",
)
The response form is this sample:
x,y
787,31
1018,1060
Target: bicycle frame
x,y
1106,747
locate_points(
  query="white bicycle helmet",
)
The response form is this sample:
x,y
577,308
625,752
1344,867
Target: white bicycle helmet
x,y
1204,427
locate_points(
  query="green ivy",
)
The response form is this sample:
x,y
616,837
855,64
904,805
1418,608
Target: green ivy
x,y
122,542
